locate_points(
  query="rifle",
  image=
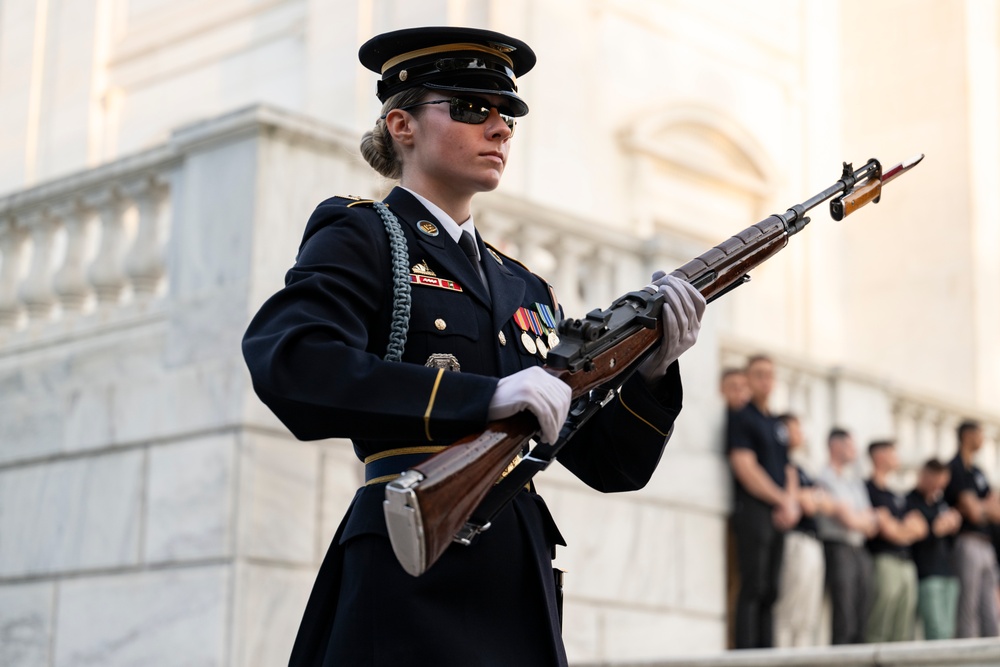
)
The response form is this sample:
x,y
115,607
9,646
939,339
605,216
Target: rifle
x,y
452,496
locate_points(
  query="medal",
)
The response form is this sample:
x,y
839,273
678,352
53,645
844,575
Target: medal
x,y
543,351
549,324
536,326
528,343
522,317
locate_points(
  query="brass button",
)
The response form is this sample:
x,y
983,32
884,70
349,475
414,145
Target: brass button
x,y
440,324
503,339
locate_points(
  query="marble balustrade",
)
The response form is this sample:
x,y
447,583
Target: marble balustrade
x,y
86,246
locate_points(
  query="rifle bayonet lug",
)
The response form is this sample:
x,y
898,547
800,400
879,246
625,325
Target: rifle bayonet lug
x,y
876,174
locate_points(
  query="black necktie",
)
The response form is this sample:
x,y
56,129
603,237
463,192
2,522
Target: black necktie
x,y
468,245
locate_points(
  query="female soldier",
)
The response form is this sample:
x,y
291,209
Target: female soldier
x,y
334,354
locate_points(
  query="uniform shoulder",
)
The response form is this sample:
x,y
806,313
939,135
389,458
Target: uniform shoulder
x,y
349,210
347,201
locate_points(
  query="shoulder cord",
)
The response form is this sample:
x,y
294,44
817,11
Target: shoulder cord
x,y
400,284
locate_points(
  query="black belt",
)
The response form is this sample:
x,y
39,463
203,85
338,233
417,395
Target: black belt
x,y
390,464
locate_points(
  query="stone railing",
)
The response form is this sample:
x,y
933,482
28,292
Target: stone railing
x,y
590,264
960,652
86,247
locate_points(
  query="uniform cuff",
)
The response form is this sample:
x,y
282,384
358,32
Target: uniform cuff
x,y
658,404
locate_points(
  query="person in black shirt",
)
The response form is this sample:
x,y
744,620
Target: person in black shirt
x,y
937,596
734,389
765,505
975,562
894,601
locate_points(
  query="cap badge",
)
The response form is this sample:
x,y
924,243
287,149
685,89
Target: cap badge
x,y
404,75
502,48
428,227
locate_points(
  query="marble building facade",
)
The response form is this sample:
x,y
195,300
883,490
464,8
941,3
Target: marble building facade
x,y
160,160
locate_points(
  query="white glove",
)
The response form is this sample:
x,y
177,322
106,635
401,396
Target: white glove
x,y
546,396
683,307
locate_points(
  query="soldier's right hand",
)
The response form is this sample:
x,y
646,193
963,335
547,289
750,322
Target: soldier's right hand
x,y
533,389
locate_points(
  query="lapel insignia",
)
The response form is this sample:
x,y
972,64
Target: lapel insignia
x,y
421,269
428,227
495,255
432,281
448,362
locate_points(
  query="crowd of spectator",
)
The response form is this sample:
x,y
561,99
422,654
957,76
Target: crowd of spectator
x,y
890,562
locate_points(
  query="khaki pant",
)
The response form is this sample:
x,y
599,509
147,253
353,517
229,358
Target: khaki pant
x,y
800,592
894,600
976,565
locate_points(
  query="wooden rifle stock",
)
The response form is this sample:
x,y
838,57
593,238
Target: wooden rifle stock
x,y
430,505
457,479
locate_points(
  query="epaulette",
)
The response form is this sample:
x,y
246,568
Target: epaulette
x,y
356,200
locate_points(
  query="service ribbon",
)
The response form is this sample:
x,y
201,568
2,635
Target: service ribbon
x,y
521,317
547,316
535,321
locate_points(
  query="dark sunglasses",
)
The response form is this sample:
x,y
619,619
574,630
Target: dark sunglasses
x,y
470,110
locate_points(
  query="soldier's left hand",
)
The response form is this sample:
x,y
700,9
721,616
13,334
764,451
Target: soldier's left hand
x,y
683,307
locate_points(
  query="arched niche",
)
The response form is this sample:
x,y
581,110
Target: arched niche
x,y
695,173
697,177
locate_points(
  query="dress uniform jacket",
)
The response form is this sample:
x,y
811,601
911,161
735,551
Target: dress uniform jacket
x,y
315,352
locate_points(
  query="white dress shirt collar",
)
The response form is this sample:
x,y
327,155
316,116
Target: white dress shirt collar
x,y
453,228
